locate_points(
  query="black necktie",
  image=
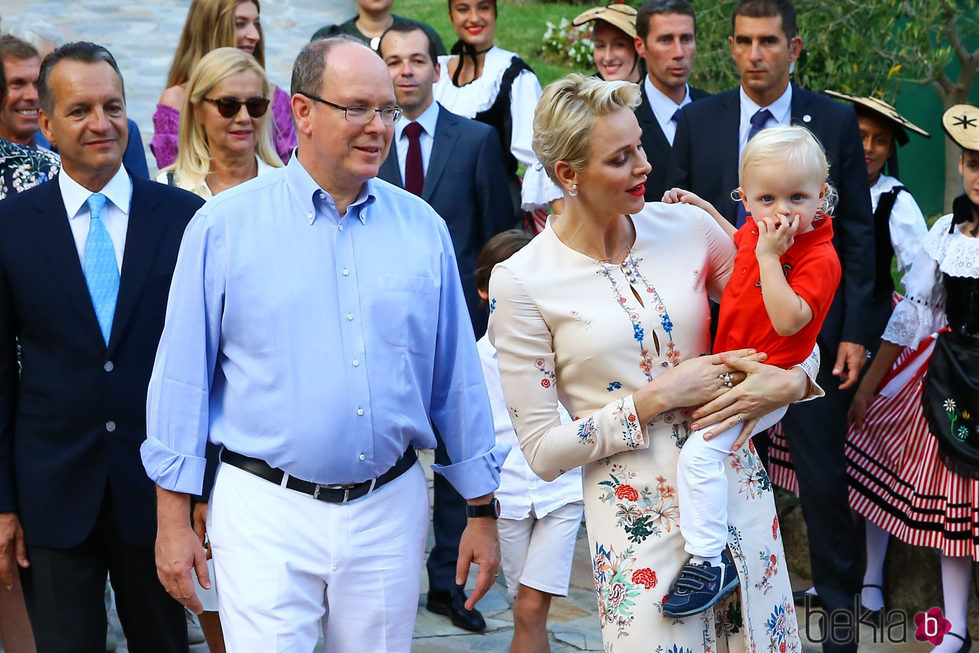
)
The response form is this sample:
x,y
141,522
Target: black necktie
x,y
757,121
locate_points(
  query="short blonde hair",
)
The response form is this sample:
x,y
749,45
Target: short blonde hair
x,y
566,112
193,152
792,146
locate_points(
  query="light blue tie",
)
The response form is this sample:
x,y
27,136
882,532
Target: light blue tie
x,y
101,270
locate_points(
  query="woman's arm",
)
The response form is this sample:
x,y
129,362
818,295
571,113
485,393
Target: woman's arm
x,y
878,369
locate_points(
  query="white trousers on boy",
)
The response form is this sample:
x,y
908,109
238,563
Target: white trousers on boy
x,y
702,487
287,563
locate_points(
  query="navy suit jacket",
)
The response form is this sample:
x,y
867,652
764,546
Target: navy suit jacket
x,y
705,161
72,421
467,185
654,143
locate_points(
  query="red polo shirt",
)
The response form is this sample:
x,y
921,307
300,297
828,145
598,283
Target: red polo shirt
x,y
812,269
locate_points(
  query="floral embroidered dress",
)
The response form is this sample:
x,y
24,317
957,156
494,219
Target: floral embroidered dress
x,y
573,329
23,167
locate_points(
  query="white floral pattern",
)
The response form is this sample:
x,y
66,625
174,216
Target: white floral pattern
x,y
23,168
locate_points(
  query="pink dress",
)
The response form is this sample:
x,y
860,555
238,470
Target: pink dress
x,y
166,126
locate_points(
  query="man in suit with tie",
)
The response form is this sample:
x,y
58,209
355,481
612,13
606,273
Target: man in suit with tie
x,y
455,164
666,38
710,136
85,267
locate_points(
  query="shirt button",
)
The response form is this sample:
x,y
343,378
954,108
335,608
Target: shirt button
x,y
350,316
340,227
356,362
322,196
346,272
360,411
363,457
110,426
108,366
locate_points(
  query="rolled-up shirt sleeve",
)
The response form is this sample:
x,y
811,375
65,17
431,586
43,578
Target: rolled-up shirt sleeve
x,y
460,407
177,407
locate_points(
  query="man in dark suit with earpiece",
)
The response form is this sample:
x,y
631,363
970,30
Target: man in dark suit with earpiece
x,y
710,136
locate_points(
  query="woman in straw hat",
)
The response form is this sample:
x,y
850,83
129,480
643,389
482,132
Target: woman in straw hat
x,y
614,38
914,439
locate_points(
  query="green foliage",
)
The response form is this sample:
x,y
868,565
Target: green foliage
x,y
565,43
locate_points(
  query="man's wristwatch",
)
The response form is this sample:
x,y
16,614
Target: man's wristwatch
x,y
491,509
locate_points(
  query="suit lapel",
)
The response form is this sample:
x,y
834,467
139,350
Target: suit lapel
x,y
728,124
142,241
443,143
800,114
390,172
648,122
54,237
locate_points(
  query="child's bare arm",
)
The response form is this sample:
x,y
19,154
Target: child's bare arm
x,y
674,195
788,312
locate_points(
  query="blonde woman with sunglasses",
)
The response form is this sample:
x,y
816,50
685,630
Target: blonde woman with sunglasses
x,y
224,125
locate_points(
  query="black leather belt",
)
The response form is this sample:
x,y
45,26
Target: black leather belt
x,y
328,493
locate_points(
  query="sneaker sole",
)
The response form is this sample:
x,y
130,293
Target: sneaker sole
x,y
720,595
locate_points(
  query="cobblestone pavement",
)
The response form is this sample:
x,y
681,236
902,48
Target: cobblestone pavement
x,y
142,34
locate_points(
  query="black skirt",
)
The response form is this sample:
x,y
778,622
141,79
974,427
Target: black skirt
x,y
951,401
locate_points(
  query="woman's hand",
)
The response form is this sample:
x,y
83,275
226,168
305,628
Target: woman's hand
x,y
858,409
764,389
693,382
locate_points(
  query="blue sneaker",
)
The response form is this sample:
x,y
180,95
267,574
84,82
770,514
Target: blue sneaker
x,y
699,587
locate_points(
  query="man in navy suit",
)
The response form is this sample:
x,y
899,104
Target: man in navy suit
x,y
455,164
666,38
85,267
710,135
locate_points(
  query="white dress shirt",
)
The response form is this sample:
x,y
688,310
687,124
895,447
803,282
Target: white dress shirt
x,y
426,139
115,214
664,107
781,110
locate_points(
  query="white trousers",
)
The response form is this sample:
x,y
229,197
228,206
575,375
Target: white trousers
x,y
286,563
702,487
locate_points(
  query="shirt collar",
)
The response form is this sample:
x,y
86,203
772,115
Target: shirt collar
x,y
309,194
781,109
663,106
428,118
119,191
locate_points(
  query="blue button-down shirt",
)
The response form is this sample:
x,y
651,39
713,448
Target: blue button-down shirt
x,y
322,344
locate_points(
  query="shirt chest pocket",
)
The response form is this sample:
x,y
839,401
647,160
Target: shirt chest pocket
x,y
405,311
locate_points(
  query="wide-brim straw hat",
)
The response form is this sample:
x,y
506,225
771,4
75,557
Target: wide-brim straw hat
x,y
961,123
885,110
621,16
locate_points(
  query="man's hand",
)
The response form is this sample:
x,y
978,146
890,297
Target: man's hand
x,y
479,544
178,550
13,551
199,520
850,359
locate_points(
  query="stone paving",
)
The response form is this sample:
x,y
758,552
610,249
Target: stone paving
x,y
142,35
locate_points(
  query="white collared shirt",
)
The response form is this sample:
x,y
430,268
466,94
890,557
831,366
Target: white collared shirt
x,y
664,107
781,110
428,118
115,214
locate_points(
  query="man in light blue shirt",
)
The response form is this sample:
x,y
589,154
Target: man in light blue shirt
x,y
316,330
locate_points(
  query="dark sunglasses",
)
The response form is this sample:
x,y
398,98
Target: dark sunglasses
x,y
229,107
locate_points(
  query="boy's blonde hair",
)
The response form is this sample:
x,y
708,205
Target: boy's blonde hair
x,y
566,112
790,146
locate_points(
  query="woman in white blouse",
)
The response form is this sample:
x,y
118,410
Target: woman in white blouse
x,y
224,125
495,86
606,313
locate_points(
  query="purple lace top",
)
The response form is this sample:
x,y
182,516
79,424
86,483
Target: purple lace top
x,y
166,124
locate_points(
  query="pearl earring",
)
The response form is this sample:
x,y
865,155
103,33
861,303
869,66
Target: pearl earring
x,y
574,190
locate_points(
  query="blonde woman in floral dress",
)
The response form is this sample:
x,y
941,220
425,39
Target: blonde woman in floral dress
x,y
606,312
